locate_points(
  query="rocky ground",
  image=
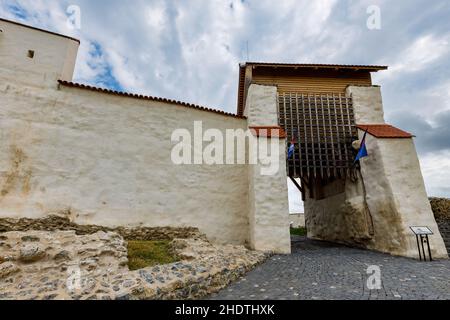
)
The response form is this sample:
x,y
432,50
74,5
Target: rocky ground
x,y
441,209
53,258
64,265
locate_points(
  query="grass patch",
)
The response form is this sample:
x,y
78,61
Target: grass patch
x,y
142,254
298,232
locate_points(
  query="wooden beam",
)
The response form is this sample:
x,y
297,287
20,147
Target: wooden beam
x,y
247,82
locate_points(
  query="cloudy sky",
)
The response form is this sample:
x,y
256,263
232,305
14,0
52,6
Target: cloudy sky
x,y
190,50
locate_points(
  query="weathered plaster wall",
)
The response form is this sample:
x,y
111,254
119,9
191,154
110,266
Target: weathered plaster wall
x,y
342,217
367,104
268,194
107,160
397,198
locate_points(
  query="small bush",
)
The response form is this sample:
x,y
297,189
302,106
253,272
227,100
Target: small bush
x,y
298,231
142,254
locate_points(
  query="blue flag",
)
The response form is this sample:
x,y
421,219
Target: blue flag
x,y
362,150
291,151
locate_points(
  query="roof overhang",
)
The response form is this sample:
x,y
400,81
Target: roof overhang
x,y
294,66
385,131
145,97
369,68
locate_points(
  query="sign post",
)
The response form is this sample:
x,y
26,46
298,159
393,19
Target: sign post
x,y
422,237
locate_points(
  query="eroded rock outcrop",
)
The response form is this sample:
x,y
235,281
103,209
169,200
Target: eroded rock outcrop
x,y
64,265
441,210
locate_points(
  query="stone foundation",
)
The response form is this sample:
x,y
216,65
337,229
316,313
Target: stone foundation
x,y
64,265
54,222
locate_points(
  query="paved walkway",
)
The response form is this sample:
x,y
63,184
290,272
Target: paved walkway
x,y
318,270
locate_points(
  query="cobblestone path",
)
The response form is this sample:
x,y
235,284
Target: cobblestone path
x,y
318,270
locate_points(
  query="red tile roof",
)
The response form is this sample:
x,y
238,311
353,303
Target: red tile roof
x,y
143,97
269,132
318,66
384,131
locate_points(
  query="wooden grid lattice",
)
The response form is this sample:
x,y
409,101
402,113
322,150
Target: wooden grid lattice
x,y
324,128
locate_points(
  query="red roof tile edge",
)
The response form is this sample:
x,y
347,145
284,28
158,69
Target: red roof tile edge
x,y
143,97
316,65
269,132
385,131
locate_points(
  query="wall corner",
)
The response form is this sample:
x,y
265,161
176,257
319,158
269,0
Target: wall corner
x,y
268,193
367,104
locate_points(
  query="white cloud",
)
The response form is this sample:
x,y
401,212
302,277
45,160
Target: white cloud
x,y
436,172
156,17
423,52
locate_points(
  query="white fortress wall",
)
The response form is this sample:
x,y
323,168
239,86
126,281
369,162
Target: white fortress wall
x,y
397,198
108,160
101,158
395,190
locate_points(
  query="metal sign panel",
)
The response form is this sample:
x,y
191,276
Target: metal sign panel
x,y
422,231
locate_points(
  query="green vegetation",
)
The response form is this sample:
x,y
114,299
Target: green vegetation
x,y
298,231
142,254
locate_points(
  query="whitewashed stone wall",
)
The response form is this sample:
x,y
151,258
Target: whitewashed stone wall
x,y
268,194
397,198
104,159
107,160
368,104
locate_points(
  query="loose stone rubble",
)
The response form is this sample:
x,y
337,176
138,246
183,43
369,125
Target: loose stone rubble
x,y
64,265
